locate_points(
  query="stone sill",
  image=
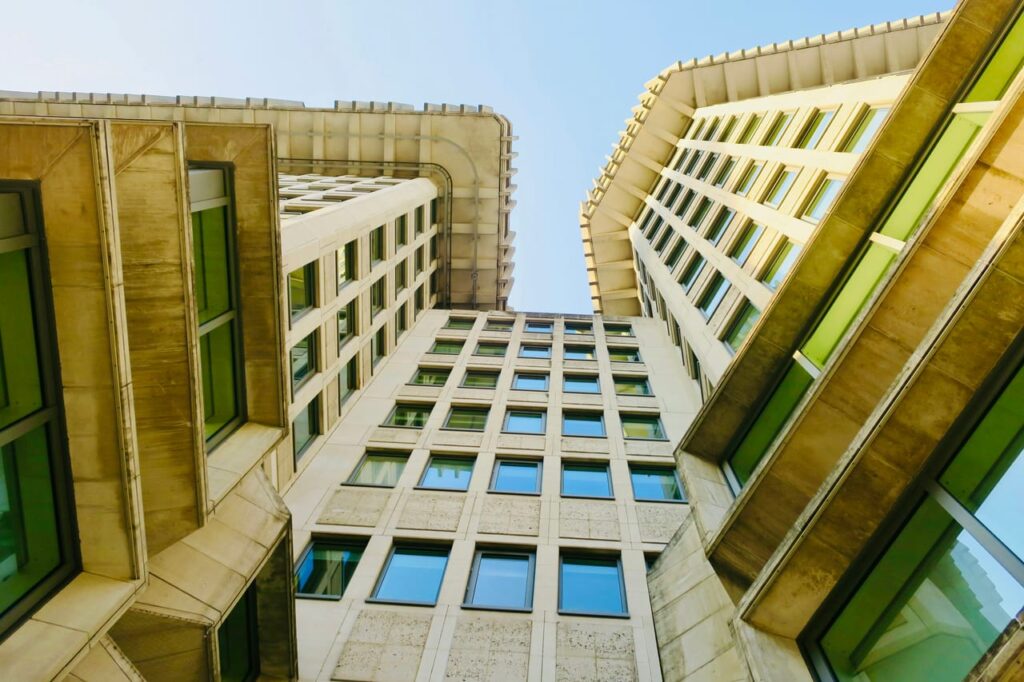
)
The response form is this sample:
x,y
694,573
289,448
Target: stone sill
x,y
237,456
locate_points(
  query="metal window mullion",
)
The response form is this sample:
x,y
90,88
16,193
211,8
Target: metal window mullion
x,y
222,319
20,242
26,425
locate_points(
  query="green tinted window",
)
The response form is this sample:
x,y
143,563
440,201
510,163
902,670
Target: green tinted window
x,y
1001,68
447,347
428,376
824,194
413,416
748,179
642,426
692,271
380,469
466,418
492,349
303,360
305,428
741,326
236,640
782,263
867,126
815,128
474,379
212,250
779,188
301,290
325,569
632,386
746,242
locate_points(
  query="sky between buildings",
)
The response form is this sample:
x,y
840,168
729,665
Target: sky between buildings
x,y
566,73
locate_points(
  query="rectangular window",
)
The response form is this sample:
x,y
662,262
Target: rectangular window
x,y
303,356
821,199
447,347
779,188
325,568
578,328
538,327
745,242
467,418
477,379
401,320
588,424
447,473
777,129
617,329
305,428
720,225
516,476
376,245
579,353
498,325
632,386
865,130
642,426
401,276
814,130
433,249
408,416
530,382
724,172
401,231
713,295
692,272
534,351
586,480
727,129
412,575
418,258
753,123
659,247
378,345
781,264
589,585
675,254
346,323
491,349
348,379
694,160
237,641
741,326
430,376
418,301
684,205
419,218
501,580
616,354
301,284
700,213
381,469
377,295
656,483
346,261
460,323
748,179
705,169
524,421
581,383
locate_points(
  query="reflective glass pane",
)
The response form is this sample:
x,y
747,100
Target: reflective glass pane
x,y
494,349
447,347
524,422
379,469
300,290
745,243
651,483
632,386
582,424
586,480
517,477
591,586
465,418
303,359
815,129
579,353
822,199
535,352
409,415
217,364
865,130
459,323
212,254
581,384
21,391
639,426
741,326
452,473
780,188
480,380
502,581
239,650
326,568
624,355
781,264
531,382
430,377
305,427
412,575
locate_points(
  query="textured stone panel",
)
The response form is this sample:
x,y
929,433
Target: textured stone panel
x,y
510,515
383,434
588,519
594,651
384,646
587,445
658,522
432,511
350,506
490,650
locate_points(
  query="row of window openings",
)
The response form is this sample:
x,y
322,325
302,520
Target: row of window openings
x,y
538,326
650,483
574,423
500,578
535,351
532,381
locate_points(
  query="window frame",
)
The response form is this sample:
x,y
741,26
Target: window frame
x,y
470,370
309,276
315,430
534,346
586,556
339,542
600,415
651,467
517,375
645,379
491,345
420,485
591,465
367,453
474,575
510,411
348,251
433,346
550,327
638,358
313,362
420,370
451,410
496,467
388,421
624,416
427,548
574,348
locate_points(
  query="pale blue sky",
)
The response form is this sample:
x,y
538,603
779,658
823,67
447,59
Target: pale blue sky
x,y
565,73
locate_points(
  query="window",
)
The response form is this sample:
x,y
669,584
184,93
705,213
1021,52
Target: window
x,y
779,188
401,320
305,428
590,585
419,218
376,245
346,261
36,528
401,276
694,160
724,172
741,326
581,383
236,639
753,123
530,382
378,345
491,349
578,328
401,231
588,424
303,361
616,354
418,260
348,379
412,575
534,351
381,469
499,325
814,129
748,179
586,480
346,323
447,473
433,211
446,347
745,242
618,329
692,271
777,129
642,426
524,421
325,568
516,476
684,205
720,225
433,249
780,265
477,379
579,353
865,129
467,418
700,213
459,323
727,129
822,198
501,580
430,376
675,254
656,483
377,297
709,163
418,301
632,386
659,247
408,415
713,295
538,327
301,282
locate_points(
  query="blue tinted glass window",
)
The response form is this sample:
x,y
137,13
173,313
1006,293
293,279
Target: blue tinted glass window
x,y
450,473
530,382
517,421
541,352
591,585
582,424
512,476
412,575
655,483
326,568
586,480
581,384
501,581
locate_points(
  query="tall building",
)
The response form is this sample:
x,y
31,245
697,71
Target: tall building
x,y
265,413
